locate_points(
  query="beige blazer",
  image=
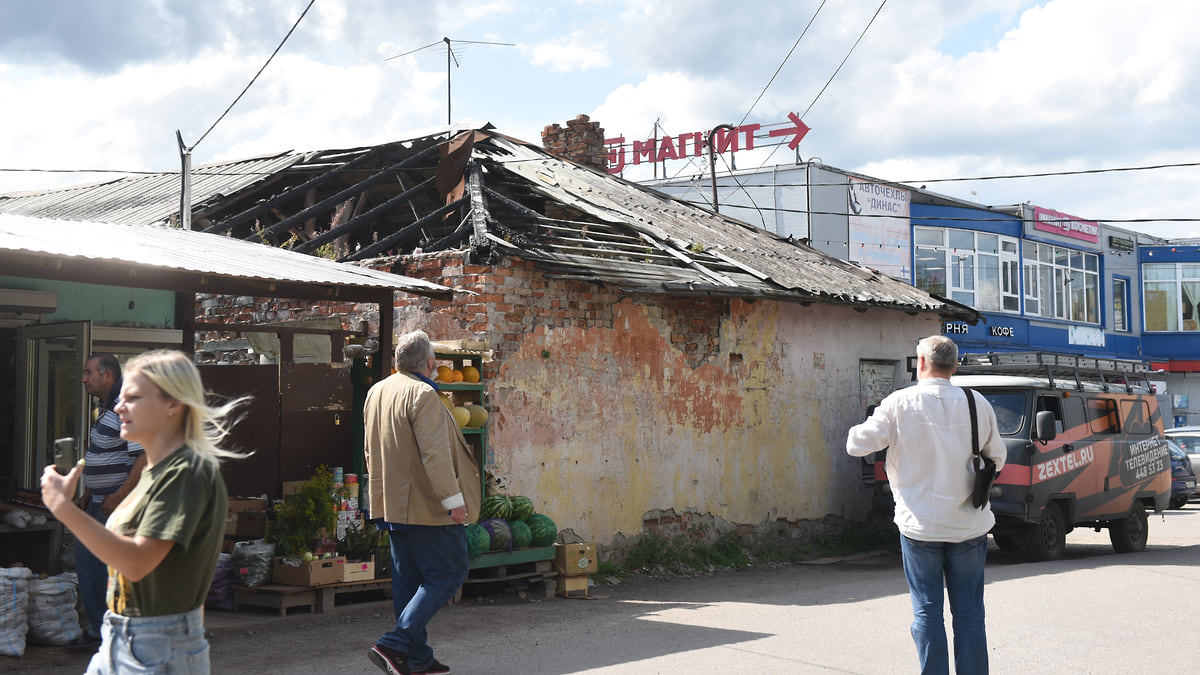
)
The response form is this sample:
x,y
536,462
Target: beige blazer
x,y
416,455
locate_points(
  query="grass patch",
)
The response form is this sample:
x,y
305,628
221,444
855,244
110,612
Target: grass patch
x,y
683,555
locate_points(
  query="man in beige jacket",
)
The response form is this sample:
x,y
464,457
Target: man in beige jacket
x,y
424,487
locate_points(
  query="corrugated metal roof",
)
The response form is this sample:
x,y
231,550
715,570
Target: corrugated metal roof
x,y
489,192
155,247
759,258
146,199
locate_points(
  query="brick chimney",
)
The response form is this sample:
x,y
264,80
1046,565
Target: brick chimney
x,y
581,142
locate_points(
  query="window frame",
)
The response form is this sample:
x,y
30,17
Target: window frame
x,y
967,273
1122,297
1064,278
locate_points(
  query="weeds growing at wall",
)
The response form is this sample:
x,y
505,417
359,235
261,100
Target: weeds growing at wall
x,y
683,554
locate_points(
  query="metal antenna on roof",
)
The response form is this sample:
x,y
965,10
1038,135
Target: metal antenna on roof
x,y
450,55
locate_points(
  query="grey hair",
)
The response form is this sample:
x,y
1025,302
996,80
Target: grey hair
x,y
413,351
939,351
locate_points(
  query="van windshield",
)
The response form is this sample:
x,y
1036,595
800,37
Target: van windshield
x,y
1010,410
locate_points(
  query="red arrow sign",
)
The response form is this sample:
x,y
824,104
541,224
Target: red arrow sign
x,y
800,130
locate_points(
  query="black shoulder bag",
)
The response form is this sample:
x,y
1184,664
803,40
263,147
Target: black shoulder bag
x,y
985,467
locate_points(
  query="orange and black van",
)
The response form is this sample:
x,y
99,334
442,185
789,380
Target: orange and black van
x,y
1085,449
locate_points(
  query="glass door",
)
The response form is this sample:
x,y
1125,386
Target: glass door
x,y
51,401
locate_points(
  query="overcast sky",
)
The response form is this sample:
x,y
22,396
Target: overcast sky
x,y
936,89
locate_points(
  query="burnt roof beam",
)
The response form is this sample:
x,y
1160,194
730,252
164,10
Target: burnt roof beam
x,y
237,219
355,222
330,202
400,234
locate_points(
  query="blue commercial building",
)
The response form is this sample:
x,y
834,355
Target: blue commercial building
x,y
1041,280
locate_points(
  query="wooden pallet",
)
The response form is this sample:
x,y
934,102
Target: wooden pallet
x,y
523,565
317,598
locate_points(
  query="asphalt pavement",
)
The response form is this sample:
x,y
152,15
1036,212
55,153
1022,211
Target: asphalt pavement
x,y
1093,612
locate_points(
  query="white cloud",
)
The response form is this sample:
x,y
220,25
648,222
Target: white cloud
x,y
577,51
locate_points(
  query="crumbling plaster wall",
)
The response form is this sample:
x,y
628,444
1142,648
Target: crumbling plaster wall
x,y
615,411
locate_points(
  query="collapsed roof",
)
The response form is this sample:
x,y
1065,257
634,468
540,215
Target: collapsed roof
x,y
491,195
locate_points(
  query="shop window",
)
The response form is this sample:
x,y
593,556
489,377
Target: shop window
x,y
1171,297
1120,305
1062,283
978,269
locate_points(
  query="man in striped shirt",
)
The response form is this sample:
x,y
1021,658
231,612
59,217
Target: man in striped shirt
x,y
112,469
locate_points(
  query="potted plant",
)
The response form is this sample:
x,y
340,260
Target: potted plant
x,y
303,516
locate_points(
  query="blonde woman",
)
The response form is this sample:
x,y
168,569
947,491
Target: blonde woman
x,y
161,542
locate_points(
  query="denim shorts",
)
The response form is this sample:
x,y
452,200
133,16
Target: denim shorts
x,y
172,643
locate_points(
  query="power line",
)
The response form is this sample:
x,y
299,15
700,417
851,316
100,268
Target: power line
x,y
835,72
782,64
255,78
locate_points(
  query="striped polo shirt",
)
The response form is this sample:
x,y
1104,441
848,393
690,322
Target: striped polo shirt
x,y
109,457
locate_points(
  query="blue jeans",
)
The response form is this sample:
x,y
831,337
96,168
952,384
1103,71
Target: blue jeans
x,y
957,567
429,563
172,643
93,578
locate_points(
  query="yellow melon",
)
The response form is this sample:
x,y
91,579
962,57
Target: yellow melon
x,y
479,415
470,374
446,401
457,375
461,415
444,374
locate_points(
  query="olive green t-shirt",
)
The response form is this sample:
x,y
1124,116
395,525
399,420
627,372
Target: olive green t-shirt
x,y
180,499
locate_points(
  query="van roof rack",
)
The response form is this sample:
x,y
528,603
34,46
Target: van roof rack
x,y
1073,367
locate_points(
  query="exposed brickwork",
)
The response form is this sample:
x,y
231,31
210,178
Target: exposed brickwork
x,y
503,304
581,142
513,299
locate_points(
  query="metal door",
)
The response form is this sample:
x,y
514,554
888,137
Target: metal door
x,y
51,400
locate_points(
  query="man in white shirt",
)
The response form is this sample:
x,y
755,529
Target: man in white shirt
x,y
927,431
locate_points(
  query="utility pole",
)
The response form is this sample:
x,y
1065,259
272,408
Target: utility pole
x,y
712,162
185,174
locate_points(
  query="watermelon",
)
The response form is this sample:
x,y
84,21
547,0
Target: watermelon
x,y
522,508
521,534
478,540
496,506
543,529
500,532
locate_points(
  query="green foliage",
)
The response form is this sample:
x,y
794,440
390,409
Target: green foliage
x,y
304,513
359,543
684,553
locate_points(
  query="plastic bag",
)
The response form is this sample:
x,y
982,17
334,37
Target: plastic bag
x,y
14,601
252,562
52,616
220,593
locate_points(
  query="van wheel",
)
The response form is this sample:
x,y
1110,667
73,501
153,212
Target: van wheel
x,y
1048,539
1129,534
1008,541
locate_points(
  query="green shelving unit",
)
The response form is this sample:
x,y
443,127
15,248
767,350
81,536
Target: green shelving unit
x,y
473,392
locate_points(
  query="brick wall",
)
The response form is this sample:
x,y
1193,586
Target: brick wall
x,y
581,142
508,301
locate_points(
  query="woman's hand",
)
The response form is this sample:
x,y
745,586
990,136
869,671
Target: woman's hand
x,y
57,489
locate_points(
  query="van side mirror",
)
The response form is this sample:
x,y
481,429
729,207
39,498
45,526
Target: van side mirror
x,y
1044,426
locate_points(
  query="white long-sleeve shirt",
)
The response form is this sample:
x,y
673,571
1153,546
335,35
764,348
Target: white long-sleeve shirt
x,y
927,430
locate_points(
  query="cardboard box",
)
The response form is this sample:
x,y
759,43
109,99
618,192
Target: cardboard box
x,y
359,571
315,573
239,504
572,584
249,524
575,559
291,486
